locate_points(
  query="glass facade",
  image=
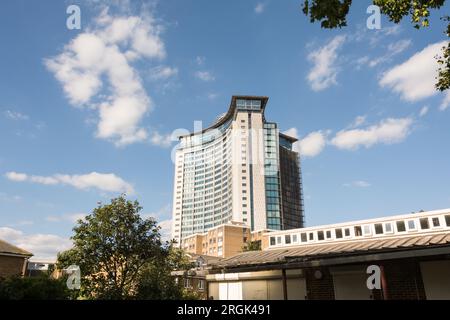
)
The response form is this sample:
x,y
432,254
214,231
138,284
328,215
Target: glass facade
x,y
207,182
221,178
272,176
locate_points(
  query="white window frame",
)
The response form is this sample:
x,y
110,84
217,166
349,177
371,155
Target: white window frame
x,y
364,233
408,228
385,229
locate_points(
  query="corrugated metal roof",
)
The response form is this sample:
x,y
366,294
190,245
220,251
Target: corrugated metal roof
x,y
355,247
7,248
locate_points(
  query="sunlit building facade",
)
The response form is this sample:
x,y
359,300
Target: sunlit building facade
x,y
241,169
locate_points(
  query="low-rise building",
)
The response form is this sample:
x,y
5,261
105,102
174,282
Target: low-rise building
x,y
223,241
13,260
194,279
398,257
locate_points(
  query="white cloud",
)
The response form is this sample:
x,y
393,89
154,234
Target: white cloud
x,y
359,121
423,111
158,139
95,70
392,50
200,60
166,230
18,177
162,213
387,131
205,76
108,182
309,146
358,184
42,246
163,73
212,95
13,115
324,71
72,218
414,79
260,7
446,102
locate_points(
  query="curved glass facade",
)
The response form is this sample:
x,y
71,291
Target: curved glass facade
x,y
230,172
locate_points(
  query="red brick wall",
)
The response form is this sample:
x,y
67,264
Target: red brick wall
x,y
319,289
404,280
11,266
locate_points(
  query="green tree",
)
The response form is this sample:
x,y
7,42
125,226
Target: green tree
x,y
112,247
252,246
38,288
333,14
156,281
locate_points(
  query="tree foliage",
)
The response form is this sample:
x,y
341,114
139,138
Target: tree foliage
x,y
252,246
38,288
333,14
121,255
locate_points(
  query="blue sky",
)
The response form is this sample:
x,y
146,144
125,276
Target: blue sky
x,y
87,114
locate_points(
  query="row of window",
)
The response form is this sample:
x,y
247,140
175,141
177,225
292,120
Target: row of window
x,y
400,226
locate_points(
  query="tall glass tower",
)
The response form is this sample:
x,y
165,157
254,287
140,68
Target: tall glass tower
x,y
240,169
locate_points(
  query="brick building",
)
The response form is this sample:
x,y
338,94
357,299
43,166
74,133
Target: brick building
x,y
223,241
13,260
409,256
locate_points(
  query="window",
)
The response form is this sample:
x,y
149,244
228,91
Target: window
x,y
187,282
311,236
388,227
347,232
272,241
401,226
378,228
328,233
436,222
303,237
367,230
424,223
358,231
411,225
338,233
287,239
320,235
278,240
294,238
201,285
447,220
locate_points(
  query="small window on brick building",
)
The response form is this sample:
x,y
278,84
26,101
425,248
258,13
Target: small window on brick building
x,y
401,226
358,231
201,285
338,233
378,228
424,224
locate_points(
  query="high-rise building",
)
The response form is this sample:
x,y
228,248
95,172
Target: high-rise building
x,y
241,169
